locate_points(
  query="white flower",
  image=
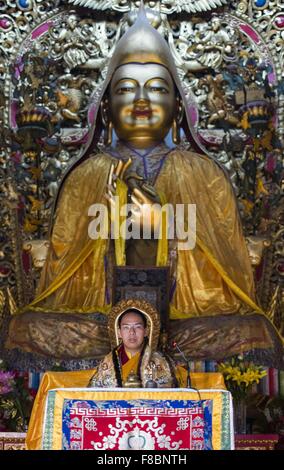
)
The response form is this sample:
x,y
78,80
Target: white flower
x,y
109,442
164,441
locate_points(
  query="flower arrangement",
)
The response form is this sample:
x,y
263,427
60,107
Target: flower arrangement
x,y
15,400
240,375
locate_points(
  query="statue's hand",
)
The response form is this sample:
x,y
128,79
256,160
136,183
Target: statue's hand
x,y
135,181
145,214
143,196
116,171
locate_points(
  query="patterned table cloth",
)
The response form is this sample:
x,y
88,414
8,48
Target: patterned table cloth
x,y
140,419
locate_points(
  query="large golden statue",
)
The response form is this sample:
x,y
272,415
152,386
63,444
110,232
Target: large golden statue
x,y
141,100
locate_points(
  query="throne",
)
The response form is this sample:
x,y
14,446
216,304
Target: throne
x,y
143,283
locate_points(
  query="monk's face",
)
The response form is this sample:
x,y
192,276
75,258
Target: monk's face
x,y
132,332
142,103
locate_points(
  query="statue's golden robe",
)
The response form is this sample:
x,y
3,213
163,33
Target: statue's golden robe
x,y
215,277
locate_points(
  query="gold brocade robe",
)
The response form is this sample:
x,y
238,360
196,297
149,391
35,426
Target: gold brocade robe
x,y
213,278
106,376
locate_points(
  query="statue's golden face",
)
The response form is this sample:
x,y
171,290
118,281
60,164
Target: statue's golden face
x,y
142,103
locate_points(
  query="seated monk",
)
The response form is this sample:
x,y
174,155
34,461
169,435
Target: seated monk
x,y
133,362
144,360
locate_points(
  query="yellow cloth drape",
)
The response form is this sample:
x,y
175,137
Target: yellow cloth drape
x,y
92,246
163,245
50,380
84,287
119,242
201,287
199,380
215,277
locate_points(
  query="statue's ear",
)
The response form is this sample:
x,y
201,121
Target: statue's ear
x,y
105,111
106,120
179,110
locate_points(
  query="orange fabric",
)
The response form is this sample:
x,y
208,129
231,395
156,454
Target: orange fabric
x,y
201,380
50,380
130,365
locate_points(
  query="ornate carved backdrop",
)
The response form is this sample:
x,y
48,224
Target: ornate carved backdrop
x,y
229,55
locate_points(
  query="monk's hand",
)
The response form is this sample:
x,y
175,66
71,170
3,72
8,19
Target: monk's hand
x,y
116,172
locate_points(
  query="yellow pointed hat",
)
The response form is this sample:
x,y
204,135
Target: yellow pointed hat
x,y
142,44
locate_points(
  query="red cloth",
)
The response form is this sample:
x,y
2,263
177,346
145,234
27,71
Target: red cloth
x,y
122,355
136,428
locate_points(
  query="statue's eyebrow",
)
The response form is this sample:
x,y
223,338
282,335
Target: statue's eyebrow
x,y
136,81
125,80
159,79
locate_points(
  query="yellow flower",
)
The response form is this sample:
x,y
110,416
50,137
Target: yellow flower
x,y
240,375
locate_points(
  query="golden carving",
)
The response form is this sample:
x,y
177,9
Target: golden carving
x,y
256,246
132,381
38,250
